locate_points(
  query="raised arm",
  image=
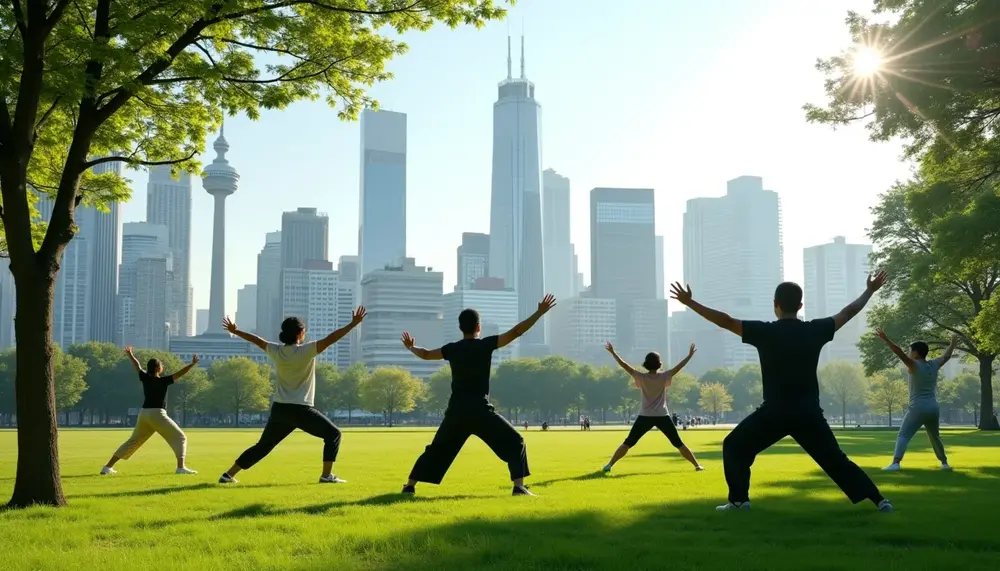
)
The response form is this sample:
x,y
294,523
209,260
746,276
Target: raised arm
x,y
946,356
875,281
895,349
420,352
719,318
621,362
231,327
186,368
547,303
131,357
356,318
677,368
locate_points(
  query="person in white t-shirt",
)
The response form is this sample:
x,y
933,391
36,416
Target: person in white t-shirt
x,y
652,384
294,394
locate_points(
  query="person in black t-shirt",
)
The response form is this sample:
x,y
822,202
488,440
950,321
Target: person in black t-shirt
x,y
153,418
469,410
789,351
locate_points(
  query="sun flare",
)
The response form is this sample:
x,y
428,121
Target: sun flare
x,y
867,61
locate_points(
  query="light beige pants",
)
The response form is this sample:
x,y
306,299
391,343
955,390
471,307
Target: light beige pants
x,y
150,421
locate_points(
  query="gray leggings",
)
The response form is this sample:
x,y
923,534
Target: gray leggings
x,y
917,415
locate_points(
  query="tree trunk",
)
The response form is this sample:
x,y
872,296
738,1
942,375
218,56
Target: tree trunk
x,y
843,414
986,419
237,421
37,480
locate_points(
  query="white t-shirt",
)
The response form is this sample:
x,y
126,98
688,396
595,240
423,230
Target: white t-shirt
x,y
653,387
296,371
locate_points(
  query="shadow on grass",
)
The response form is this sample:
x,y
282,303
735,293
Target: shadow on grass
x,y
172,490
257,510
596,475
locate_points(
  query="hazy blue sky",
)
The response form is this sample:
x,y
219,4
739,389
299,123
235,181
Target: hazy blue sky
x,y
677,96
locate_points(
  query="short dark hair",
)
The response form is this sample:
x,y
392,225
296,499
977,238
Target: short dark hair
x,y
921,348
154,366
468,321
291,329
652,362
788,297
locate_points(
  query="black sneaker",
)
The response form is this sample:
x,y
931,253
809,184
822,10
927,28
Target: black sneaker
x,y
521,491
409,490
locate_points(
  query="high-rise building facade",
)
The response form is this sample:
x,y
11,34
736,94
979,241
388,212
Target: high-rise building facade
x,y
168,203
305,236
246,307
473,259
143,241
269,285
558,251
835,275
382,230
8,301
661,286
497,314
516,245
106,235
315,295
150,328
733,258
401,298
581,327
201,321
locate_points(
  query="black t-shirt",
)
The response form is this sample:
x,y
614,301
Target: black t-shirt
x,y
789,355
470,361
154,390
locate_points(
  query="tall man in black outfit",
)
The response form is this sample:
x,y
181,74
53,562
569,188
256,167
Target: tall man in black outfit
x,y
789,351
469,410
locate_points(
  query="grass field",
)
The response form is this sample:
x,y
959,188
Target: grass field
x,y
653,513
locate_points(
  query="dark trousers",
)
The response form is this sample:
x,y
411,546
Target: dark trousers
x,y
644,424
284,419
456,427
804,423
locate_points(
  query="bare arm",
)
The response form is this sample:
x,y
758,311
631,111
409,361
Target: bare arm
x,y
677,368
946,356
874,283
356,318
719,318
186,368
135,362
420,352
231,327
621,362
900,354
547,303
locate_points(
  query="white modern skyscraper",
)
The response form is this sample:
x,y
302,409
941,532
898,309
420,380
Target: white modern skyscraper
x,y
558,252
473,259
516,245
220,180
661,292
201,322
106,235
733,259
168,202
581,326
150,328
269,284
497,314
143,241
246,307
305,237
316,295
8,300
382,230
401,298
835,275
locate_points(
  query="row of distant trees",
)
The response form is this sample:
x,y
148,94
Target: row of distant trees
x,y
97,383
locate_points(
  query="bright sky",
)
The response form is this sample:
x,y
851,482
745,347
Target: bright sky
x,y
677,96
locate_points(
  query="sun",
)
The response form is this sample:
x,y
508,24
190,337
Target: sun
x,y
867,61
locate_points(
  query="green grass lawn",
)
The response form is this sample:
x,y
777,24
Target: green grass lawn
x,y
653,513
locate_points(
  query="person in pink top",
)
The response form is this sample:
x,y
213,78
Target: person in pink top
x,y
652,383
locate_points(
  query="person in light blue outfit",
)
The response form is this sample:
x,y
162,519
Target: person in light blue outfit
x,y
923,408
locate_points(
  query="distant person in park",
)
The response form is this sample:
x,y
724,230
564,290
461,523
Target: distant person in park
x,y
652,384
294,394
153,417
923,409
469,411
789,351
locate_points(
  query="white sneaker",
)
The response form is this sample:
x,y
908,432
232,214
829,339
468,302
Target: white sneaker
x,y
225,478
945,467
106,471
885,507
734,507
894,467
185,470
331,479
699,468
606,468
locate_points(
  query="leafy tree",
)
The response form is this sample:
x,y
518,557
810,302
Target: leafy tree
x,y
106,365
961,392
346,394
189,392
238,385
746,387
684,392
69,373
327,379
715,399
438,390
554,389
604,389
843,385
91,82
515,385
389,390
888,394
718,375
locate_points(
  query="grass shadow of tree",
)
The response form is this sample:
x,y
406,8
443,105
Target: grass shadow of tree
x,y
257,510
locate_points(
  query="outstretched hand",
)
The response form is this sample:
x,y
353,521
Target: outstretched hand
x,y
358,315
881,334
407,340
691,350
547,303
194,359
680,293
877,280
955,339
609,347
229,324
128,350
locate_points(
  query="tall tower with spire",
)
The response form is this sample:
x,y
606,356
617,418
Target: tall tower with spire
x,y
220,180
515,201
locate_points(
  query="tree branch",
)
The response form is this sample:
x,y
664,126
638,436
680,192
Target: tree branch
x,y
48,113
19,17
131,160
56,14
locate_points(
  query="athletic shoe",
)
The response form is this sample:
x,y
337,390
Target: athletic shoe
x,y
885,507
699,468
894,467
734,507
521,491
185,471
331,479
606,468
945,466
409,490
106,471
225,478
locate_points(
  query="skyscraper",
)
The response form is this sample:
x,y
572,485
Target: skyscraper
x,y
661,292
382,232
142,241
835,274
201,322
473,259
8,300
220,180
150,329
168,203
558,251
246,307
497,309
305,236
105,235
515,203
269,284
581,327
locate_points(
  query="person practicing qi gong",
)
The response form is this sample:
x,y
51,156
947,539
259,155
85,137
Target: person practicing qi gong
x,y
652,384
469,411
294,394
923,409
153,417
789,351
